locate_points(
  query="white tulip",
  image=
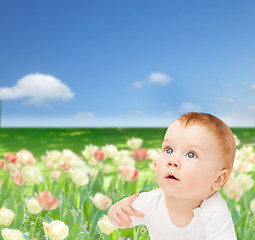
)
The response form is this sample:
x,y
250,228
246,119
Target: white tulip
x,y
33,206
6,216
232,188
101,201
12,234
105,226
110,151
134,143
245,181
31,174
56,230
89,151
79,176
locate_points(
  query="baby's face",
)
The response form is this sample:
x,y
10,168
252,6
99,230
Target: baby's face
x,y
191,154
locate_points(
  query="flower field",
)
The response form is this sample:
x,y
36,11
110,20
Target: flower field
x,y
59,184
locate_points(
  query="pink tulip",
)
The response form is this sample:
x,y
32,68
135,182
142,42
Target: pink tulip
x,y
140,154
2,163
47,201
65,166
128,173
11,158
99,155
17,178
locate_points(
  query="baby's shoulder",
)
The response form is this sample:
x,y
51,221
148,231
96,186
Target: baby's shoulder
x,y
215,206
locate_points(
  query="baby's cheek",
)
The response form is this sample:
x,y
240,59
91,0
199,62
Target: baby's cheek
x,y
193,179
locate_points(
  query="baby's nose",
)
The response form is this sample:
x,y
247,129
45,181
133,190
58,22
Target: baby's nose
x,y
174,163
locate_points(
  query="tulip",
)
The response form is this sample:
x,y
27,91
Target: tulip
x,y
110,151
140,154
232,188
6,216
56,230
11,158
47,201
65,166
26,157
123,159
12,234
101,201
99,155
245,181
55,174
31,174
79,176
17,178
33,206
2,163
128,173
89,151
105,226
153,154
134,143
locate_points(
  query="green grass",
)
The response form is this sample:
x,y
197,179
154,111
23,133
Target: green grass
x,y
38,140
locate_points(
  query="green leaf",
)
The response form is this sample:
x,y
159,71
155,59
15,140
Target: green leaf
x,y
77,200
98,184
35,189
59,187
66,187
19,216
69,219
18,195
55,214
235,215
88,209
11,204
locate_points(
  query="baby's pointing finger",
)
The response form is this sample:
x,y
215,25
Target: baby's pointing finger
x,y
132,198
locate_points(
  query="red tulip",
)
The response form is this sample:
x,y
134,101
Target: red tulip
x,y
99,155
140,154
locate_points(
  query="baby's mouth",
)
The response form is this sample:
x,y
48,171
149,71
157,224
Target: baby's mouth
x,y
171,176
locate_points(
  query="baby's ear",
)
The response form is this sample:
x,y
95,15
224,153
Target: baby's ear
x,y
221,179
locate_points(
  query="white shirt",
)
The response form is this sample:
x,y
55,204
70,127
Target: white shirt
x,y
211,221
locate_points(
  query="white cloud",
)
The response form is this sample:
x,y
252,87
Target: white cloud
x,y
190,107
40,90
159,78
252,88
137,112
251,109
138,84
154,78
236,120
227,100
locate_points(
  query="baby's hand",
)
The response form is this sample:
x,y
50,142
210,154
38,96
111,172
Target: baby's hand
x,y
120,212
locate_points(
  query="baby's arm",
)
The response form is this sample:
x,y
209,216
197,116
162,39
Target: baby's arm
x,y
120,212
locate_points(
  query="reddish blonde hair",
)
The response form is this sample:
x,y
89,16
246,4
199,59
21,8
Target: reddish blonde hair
x,y
219,129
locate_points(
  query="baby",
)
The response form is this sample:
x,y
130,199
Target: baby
x,y
196,160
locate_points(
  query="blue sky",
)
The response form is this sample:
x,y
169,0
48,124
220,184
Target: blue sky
x,y
126,63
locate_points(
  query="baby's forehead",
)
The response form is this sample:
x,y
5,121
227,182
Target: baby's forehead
x,y
177,125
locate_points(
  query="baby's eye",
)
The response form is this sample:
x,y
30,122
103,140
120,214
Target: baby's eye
x,y
192,155
169,150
